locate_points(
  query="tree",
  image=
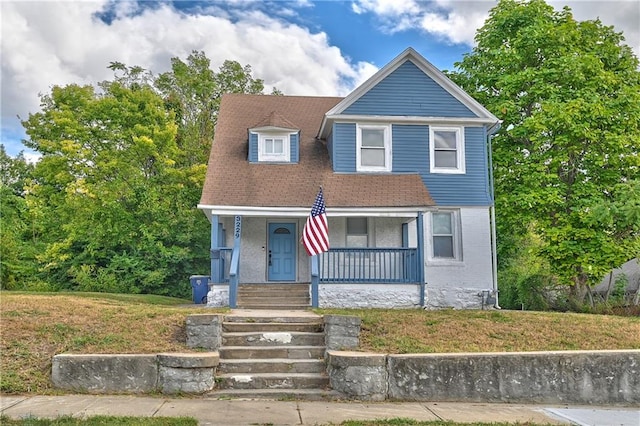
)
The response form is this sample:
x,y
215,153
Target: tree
x,y
193,91
112,196
566,160
19,243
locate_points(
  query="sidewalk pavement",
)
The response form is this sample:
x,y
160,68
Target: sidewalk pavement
x,y
252,412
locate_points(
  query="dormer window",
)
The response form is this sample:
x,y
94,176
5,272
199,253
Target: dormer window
x,y
274,139
274,147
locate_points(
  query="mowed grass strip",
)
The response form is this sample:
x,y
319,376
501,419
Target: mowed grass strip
x,y
446,331
35,327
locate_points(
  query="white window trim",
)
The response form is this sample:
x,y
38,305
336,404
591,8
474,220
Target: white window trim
x,y
387,147
285,157
457,240
460,148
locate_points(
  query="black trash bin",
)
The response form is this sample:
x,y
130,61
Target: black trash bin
x,y
200,288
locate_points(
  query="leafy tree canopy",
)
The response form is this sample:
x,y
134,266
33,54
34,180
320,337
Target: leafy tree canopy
x,y
112,202
567,162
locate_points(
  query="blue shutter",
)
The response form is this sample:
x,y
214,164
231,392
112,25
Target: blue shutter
x,y
294,149
253,147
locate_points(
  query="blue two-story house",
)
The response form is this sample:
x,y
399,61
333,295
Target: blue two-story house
x,y
404,163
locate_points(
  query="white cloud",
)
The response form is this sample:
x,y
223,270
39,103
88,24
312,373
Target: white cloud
x,y
46,43
623,15
456,21
57,43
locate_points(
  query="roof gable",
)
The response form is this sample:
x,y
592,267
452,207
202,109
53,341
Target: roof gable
x,y
274,121
412,61
408,91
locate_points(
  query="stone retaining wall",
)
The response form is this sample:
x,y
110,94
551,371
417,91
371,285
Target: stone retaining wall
x,y
127,373
342,332
204,331
578,377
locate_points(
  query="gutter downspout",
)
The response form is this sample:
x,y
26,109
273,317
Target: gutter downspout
x,y
492,212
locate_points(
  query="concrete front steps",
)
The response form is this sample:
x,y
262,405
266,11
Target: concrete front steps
x,y
279,355
274,296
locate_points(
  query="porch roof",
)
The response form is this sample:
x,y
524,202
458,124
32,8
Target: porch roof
x,y
233,182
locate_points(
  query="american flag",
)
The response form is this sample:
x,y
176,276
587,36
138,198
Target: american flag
x,y
315,235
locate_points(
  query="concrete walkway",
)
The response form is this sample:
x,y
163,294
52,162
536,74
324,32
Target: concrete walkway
x,y
256,412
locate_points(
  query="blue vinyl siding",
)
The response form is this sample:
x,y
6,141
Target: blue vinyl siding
x,y
408,91
469,189
411,155
344,147
294,148
253,147
410,149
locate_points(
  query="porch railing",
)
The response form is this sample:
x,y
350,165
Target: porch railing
x,y
222,255
369,265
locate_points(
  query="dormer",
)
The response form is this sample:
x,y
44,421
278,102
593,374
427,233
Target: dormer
x,y
274,139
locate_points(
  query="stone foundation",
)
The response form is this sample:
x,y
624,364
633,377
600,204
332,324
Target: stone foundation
x,y
369,295
218,296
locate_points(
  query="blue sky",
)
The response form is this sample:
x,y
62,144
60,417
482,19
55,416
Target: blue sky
x,y
302,47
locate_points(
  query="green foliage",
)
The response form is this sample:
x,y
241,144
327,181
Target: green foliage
x,y
566,160
193,90
18,245
619,289
111,205
111,196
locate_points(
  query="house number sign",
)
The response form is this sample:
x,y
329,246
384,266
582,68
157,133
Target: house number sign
x,y
237,227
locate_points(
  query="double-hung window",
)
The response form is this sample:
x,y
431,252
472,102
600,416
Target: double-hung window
x,y
445,235
446,149
273,148
373,148
357,232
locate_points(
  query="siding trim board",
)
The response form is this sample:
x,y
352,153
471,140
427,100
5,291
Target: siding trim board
x,y
410,119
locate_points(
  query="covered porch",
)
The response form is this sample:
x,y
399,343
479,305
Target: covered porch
x,y
389,256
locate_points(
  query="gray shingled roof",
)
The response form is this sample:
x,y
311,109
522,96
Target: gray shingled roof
x,y
232,181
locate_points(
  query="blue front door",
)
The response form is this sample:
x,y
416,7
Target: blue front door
x,y
282,252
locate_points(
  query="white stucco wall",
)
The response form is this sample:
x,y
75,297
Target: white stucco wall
x,y
456,284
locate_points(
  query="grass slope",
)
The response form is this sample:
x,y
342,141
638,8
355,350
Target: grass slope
x,y
36,326
419,331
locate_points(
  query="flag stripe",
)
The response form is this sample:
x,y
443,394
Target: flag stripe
x,y
315,235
